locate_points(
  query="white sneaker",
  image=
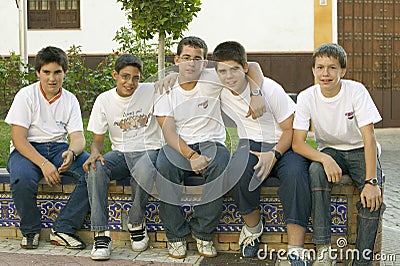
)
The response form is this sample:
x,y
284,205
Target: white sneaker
x,y
139,237
206,248
323,258
101,247
177,250
30,241
68,240
249,242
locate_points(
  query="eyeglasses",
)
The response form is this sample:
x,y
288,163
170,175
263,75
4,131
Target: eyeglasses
x,y
187,58
128,77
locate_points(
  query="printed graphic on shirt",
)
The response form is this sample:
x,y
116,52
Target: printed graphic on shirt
x,y
203,104
133,121
349,115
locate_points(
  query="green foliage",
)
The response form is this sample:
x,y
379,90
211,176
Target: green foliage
x,y
87,83
130,43
13,76
151,17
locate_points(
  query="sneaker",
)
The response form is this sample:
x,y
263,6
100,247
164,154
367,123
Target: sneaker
x,y
323,258
68,240
30,241
139,237
177,250
249,242
206,248
292,259
101,248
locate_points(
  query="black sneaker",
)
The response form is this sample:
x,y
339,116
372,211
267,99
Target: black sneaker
x,y
101,248
30,241
139,238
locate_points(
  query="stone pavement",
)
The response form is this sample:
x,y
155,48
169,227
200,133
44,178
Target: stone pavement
x,y
12,254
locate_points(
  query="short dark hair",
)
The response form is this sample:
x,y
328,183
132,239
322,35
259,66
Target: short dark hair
x,y
51,54
128,60
192,41
230,50
331,50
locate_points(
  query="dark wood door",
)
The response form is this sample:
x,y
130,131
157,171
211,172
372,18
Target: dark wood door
x,y
369,31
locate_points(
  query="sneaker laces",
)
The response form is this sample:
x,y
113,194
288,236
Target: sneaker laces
x,y
176,245
202,244
249,241
101,242
30,239
137,235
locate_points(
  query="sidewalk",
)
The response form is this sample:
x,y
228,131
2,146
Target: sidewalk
x,y
12,254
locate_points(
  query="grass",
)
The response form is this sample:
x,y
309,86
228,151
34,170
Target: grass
x,y
232,140
5,131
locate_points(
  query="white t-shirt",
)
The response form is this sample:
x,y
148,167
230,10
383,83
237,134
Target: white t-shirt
x,y
266,128
45,122
336,120
197,112
129,120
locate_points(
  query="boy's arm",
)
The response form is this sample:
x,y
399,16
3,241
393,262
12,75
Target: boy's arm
x,y
96,150
198,162
19,136
371,196
255,78
76,146
299,145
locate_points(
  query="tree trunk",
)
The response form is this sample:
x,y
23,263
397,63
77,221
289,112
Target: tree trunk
x,y
161,55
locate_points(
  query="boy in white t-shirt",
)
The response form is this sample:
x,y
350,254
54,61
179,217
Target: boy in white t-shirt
x,y
264,150
343,116
127,113
43,116
191,121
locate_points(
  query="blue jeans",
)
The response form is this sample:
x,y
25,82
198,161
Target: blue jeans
x,y
24,179
173,167
139,166
292,172
352,162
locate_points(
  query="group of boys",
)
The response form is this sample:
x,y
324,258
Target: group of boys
x,y
160,139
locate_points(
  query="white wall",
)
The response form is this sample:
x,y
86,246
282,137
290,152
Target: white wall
x,y
260,25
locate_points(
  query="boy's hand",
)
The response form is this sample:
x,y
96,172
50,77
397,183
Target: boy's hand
x,y
68,158
50,174
257,107
266,161
371,197
91,161
332,169
199,163
166,83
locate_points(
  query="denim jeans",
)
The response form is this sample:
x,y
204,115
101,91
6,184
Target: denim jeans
x,y
24,179
352,162
139,166
292,172
173,167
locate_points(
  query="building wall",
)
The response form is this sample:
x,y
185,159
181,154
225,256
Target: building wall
x,y
262,26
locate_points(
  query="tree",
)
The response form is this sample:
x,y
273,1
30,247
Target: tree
x,y
160,17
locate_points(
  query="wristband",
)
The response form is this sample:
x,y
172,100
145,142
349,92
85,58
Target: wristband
x,y
44,162
73,153
191,155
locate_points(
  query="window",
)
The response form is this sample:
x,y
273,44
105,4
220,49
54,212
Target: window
x,y
53,14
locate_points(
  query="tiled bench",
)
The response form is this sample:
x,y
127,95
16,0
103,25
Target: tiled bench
x,y
51,200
